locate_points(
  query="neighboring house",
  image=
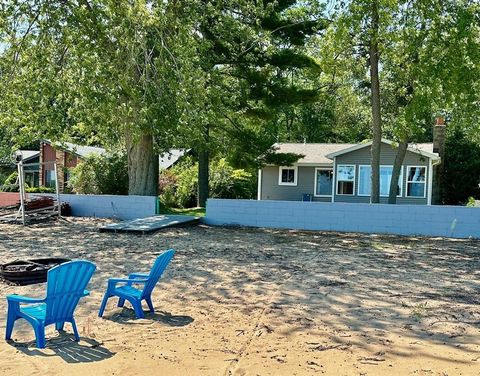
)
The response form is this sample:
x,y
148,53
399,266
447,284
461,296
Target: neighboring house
x,y
171,157
66,155
31,159
342,173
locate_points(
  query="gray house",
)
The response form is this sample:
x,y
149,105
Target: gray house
x,y
342,173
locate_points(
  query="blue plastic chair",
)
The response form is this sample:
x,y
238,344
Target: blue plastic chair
x,y
66,284
132,294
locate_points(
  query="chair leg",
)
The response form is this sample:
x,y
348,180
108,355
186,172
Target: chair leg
x,y
39,329
59,326
11,318
104,304
137,306
121,302
150,304
75,331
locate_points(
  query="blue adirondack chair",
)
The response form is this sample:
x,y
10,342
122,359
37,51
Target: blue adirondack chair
x,y
66,284
135,296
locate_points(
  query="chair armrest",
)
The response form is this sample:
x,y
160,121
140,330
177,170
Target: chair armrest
x,y
137,275
24,299
113,281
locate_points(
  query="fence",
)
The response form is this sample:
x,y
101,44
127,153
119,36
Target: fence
x,y
446,221
110,206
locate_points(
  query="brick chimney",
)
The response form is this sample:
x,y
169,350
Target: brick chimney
x,y
439,136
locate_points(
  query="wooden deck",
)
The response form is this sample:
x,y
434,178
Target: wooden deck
x,y
150,224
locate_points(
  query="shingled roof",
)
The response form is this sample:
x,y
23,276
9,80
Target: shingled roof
x,y
322,153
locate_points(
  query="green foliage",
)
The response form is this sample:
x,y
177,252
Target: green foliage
x,y
100,174
40,189
10,184
471,202
462,168
178,186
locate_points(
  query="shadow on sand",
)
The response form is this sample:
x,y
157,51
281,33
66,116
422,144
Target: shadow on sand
x,y
64,346
127,316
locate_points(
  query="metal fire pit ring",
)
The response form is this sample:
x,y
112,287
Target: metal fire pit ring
x,y
28,272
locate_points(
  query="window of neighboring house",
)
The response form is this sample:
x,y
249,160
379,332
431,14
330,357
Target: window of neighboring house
x,y
50,178
345,179
30,179
416,181
323,181
365,180
287,176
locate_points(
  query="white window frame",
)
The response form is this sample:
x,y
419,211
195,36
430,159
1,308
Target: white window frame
x,y
315,180
354,179
425,182
295,176
400,180
359,181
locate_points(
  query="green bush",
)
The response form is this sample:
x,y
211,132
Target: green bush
x,y
179,185
10,183
99,174
40,190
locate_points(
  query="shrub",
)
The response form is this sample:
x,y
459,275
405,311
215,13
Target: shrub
x,y
100,174
179,185
10,183
40,190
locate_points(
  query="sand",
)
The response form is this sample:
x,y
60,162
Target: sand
x,y
258,302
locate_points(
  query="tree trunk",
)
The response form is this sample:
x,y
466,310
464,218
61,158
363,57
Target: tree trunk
x,y
142,166
375,101
397,167
203,169
203,177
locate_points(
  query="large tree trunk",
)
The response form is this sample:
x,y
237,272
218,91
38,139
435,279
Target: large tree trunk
x,y
204,169
375,101
142,166
397,167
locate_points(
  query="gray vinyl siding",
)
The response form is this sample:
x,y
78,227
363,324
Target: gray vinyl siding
x,y
271,190
362,157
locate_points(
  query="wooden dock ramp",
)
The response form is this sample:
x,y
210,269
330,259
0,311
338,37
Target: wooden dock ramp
x,y
150,224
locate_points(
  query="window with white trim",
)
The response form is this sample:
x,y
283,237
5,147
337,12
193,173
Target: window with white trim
x,y
416,181
50,178
287,175
323,182
345,179
365,180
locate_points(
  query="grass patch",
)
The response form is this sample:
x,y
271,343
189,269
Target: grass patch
x,y
197,212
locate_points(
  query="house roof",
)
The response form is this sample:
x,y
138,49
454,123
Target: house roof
x,y
169,158
79,150
324,153
425,149
84,151
28,154
313,153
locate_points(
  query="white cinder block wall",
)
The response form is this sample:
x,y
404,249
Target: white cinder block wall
x,y
446,221
109,206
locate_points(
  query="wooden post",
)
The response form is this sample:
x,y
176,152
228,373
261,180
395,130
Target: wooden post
x,y
21,189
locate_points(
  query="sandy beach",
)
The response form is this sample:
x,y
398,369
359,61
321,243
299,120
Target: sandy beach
x,y
240,301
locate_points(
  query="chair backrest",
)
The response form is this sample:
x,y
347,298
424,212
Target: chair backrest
x,y
157,270
65,286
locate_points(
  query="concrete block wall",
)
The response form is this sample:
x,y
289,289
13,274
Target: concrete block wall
x,y
445,221
110,206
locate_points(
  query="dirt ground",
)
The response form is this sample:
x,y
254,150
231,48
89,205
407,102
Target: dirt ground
x,y
258,302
